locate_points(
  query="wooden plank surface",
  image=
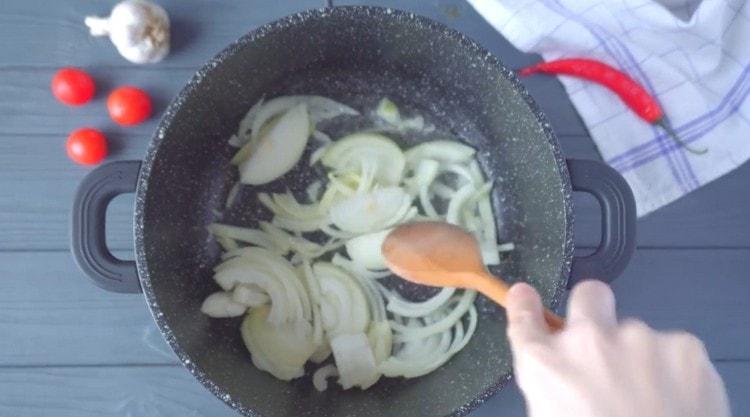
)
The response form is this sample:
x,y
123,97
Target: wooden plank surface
x,y
55,32
33,127
28,108
50,314
38,182
160,391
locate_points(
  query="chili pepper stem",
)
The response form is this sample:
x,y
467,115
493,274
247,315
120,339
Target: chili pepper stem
x,y
664,124
630,92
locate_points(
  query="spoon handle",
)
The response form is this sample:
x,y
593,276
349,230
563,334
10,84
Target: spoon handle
x,y
497,290
555,322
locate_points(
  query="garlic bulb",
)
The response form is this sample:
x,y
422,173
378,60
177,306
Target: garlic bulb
x,y
138,28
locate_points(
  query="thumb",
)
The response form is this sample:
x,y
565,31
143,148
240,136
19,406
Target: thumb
x,y
525,315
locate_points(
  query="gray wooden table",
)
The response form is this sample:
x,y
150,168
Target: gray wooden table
x,y
70,349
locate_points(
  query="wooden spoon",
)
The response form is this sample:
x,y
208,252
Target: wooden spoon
x,y
443,255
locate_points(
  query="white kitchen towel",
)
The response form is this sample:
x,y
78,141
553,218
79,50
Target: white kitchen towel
x,y
694,56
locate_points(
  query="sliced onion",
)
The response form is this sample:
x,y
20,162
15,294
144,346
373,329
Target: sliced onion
x,y
317,154
343,304
506,247
244,139
313,190
388,111
358,270
220,304
322,353
457,203
227,243
232,195
416,366
280,349
313,287
490,254
424,349
380,338
258,266
367,178
476,171
244,131
321,108
279,150
413,123
332,245
291,207
243,234
337,234
291,215
462,306
374,300
465,176
473,319
487,232
365,250
232,273
442,190
230,276
320,377
399,306
346,155
427,206
354,360
369,212
340,306
321,137
425,174
295,225
280,238
447,151
234,141
310,250
286,273
343,185
249,295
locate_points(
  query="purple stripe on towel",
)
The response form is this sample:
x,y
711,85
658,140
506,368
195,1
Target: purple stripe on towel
x,y
677,162
694,129
689,132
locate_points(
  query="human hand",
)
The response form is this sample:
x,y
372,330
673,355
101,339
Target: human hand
x,y
597,367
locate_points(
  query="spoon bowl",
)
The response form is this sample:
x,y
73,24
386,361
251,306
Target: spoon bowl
x,y
439,254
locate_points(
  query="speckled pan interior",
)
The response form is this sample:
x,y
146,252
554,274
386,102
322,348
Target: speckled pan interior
x,y
356,55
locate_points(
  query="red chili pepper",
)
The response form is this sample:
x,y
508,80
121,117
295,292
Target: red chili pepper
x,y
631,93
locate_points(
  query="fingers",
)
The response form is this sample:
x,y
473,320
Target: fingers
x,y
525,315
592,301
691,364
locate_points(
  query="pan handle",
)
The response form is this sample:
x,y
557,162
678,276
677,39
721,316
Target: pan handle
x,y
88,241
618,221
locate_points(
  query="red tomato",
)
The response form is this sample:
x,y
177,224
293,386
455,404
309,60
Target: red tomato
x,y
73,86
87,146
129,105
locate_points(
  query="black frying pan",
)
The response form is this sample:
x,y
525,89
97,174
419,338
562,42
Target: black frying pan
x,y
356,55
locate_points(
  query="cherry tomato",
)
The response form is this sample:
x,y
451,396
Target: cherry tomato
x,y
87,146
129,105
73,86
